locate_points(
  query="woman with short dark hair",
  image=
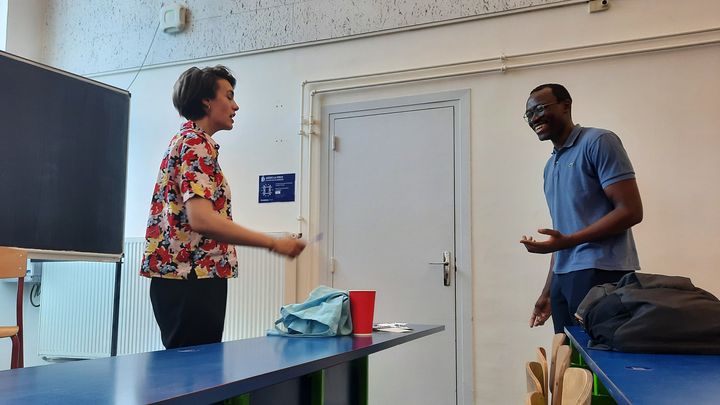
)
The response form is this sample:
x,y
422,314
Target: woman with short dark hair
x,y
190,236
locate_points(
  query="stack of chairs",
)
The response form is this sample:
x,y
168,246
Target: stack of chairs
x,y
536,373
563,384
577,386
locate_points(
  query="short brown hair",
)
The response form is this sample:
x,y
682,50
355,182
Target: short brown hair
x,y
195,85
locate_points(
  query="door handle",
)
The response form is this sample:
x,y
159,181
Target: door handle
x,y
446,267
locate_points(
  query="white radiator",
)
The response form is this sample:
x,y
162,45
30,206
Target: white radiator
x,y
76,310
76,303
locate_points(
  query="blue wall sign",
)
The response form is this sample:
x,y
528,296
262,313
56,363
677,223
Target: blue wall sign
x,y
276,188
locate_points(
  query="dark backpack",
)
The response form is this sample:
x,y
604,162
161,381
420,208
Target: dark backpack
x,y
651,313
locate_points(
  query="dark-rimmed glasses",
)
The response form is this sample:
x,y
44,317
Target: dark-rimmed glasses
x,y
538,110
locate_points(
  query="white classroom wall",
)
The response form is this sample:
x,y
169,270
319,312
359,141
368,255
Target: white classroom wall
x,y
3,23
25,27
662,104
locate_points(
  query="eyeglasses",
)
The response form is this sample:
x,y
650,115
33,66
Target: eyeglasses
x,y
538,110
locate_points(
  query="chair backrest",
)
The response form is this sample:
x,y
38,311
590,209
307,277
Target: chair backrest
x,y
542,359
533,374
534,398
13,262
562,362
577,386
558,340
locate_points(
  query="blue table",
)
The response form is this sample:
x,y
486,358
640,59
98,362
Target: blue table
x,y
266,370
633,378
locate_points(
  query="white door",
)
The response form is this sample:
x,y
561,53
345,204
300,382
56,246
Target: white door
x,y
391,213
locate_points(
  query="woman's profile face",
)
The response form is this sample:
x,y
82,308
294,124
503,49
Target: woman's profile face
x,y
221,109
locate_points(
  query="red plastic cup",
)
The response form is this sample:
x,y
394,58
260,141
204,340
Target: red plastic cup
x,y
362,308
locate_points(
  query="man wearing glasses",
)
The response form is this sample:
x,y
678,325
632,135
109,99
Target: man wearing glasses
x,y
593,199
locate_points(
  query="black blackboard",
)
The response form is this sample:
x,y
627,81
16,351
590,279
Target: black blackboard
x,y
63,160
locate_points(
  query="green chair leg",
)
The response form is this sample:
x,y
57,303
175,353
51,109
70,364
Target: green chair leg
x,y
600,395
317,388
360,369
243,399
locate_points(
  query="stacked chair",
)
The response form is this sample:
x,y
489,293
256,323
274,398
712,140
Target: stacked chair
x,y
558,340
536,373
535,379
577,386
535,398
561,363
543,360
563,384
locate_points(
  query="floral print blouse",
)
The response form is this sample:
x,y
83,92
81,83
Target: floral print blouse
x,y
172,250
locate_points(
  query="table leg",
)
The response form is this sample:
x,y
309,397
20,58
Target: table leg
x,y
345,383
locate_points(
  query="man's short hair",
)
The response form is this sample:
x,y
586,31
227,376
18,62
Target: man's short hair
x,y
558,90
195,85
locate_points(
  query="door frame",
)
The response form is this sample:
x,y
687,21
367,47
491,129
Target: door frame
x,y
460,100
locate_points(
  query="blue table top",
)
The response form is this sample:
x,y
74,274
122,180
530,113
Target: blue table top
x,y
634,378
199,374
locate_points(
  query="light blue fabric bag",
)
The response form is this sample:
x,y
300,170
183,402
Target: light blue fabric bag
x,y
326,312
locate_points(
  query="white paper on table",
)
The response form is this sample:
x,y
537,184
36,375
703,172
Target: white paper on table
x,y
396,330
396,327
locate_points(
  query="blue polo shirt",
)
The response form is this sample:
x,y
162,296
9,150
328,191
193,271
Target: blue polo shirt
x,y
574,179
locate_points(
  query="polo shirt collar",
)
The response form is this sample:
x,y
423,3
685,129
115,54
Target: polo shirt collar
x,y
571,139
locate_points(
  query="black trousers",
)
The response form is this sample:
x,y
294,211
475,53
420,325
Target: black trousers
x,y
568,290
189,312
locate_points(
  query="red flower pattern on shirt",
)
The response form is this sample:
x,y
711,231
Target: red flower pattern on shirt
x,y
189,169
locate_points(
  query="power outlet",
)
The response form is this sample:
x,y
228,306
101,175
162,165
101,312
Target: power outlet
x,y
598,5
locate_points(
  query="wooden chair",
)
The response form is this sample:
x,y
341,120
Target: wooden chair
x,y
558,340
535,398
577,386
13,263
542,359
562,362
533,374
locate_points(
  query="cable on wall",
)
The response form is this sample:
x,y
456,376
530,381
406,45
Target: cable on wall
x,y
146,55
35,293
